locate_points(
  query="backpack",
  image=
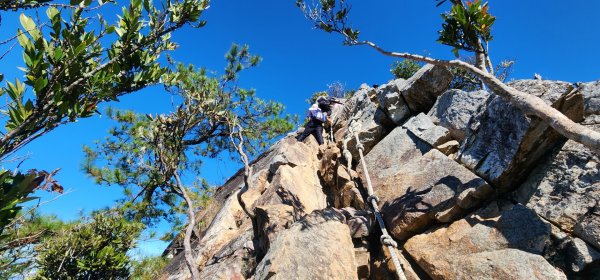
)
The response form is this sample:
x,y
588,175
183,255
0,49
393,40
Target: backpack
x,y
316,116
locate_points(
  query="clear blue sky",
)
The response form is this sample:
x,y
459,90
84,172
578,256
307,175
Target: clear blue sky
x,y
557,39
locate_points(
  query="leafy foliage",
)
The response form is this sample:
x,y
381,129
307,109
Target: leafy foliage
x,y
144,153
331,16
75,62
15,188
17,256
14,5
148,268
405,69
94,249
72,70
465,26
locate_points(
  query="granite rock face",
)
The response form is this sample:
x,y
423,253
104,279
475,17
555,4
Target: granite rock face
x,y
366,118
423,127
591,97
564,189
468,185
492,243
455,108
401,98
418,185
504,144
317,247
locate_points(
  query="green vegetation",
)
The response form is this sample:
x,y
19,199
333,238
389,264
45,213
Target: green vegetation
x,y
147,155
75,62
404,69
94,248
148,268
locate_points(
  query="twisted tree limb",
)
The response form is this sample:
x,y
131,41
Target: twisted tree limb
x,y
529,104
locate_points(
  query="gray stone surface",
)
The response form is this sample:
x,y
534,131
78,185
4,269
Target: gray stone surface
x,y
400,98
564,189
503,144
496,242
234,261
419,185
271,220
455,108
392,102
591,97
422,89
316,247
423,127
369,120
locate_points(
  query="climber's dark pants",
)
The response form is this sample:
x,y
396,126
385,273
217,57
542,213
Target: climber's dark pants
x,y
314,129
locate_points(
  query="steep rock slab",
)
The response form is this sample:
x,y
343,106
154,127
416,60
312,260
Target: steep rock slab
x,y
571,254
392,101
367,119
591,97
418,185
235,260
270,220
565,188
423,127
489,244
316,247
298,187
588,228
455,108
400,98
351,106
503,144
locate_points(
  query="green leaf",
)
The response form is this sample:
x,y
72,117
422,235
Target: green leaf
x,y
29,26
40,84
58,53
79,48
51,12
23,40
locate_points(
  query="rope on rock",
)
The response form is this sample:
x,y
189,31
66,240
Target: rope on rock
x,y
372,199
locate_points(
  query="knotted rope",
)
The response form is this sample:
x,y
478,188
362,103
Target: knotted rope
x,y
372,199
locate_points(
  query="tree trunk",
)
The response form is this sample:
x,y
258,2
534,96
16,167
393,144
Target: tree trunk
x,y
527,103
187,244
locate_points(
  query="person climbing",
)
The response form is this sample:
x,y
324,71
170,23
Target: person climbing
x,y
314,126
325,104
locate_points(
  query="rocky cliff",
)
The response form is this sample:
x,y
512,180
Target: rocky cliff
x,y
468,186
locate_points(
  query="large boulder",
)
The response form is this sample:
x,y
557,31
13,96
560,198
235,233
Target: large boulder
x,y
591,97
571,254
423,127
503,144
418,185
236,260
392,102
316,247
493,243
564,189
270,220
298,187
455,108
401,98
366,118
